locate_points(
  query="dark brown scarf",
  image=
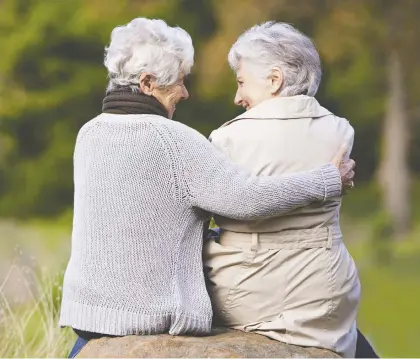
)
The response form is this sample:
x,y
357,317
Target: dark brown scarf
x,y
123,101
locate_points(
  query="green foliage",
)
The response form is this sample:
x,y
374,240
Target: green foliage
x,y
53,81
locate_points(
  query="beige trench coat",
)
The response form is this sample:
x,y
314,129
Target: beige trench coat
x,y
290,278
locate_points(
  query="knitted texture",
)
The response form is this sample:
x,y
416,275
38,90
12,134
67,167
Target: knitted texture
x,y
144,186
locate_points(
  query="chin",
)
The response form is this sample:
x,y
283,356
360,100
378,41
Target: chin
x,y
247,107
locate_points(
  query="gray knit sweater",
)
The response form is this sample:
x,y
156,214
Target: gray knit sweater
x,y
144,187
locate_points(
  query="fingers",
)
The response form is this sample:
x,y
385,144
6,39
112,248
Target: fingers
x,y
345,165
344,149
347,168
347,186
349,177
340,154
347,172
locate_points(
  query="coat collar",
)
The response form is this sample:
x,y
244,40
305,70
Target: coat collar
x,y
283,108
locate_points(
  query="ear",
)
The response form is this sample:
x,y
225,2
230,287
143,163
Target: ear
x,y
147,83
276,80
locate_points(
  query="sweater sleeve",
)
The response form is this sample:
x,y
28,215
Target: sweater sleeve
x,y
211,181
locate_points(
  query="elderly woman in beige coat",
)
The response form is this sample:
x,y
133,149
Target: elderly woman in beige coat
x,y
289,277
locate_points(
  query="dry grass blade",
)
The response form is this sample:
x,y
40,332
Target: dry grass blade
x,y
28,327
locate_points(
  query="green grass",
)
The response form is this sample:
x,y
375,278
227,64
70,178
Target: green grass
x,y
389,314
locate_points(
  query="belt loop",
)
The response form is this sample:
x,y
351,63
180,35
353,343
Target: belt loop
x,y
254,242
329,237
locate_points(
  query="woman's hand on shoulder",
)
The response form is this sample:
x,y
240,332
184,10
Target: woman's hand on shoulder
x,y
345,166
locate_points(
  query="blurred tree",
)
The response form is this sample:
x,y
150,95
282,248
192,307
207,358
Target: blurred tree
x,y
350,71
394,171
52,81
370,64
368,48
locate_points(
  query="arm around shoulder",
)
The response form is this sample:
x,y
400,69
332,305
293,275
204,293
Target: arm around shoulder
x,y
211,181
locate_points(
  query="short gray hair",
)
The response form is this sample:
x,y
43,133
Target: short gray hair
x,y
145,45
276,44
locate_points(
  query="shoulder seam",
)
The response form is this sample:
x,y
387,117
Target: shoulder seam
x,y
172,161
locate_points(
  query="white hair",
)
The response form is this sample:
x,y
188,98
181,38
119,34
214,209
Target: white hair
x,y
145,45
275,44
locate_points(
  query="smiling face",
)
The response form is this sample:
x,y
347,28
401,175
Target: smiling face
x,y
254,89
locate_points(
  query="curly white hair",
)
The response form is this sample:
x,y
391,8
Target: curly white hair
x,y
275,44
146,45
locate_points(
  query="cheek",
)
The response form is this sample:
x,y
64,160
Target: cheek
x,y
244,94
251,95
176,95
259,94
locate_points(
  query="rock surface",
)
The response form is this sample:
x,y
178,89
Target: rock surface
x,y
222,343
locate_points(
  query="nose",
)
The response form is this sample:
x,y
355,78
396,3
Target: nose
x,y
238,99
185,93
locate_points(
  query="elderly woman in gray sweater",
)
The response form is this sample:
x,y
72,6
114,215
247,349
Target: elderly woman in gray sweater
x,y
144,187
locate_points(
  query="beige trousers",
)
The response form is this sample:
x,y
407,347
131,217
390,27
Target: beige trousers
x,y
299,287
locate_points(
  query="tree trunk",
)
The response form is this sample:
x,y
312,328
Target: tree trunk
x,y
394,171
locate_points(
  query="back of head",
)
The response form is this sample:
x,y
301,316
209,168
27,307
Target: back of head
x,y
275,44
145,45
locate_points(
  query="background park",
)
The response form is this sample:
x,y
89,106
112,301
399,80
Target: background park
x,y
52,81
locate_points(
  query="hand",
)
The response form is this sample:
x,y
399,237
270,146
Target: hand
x,y
346,167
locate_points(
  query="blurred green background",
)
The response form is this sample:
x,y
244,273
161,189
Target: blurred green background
x,y
52,81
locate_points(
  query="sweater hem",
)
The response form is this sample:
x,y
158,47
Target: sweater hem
x,y
121,322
